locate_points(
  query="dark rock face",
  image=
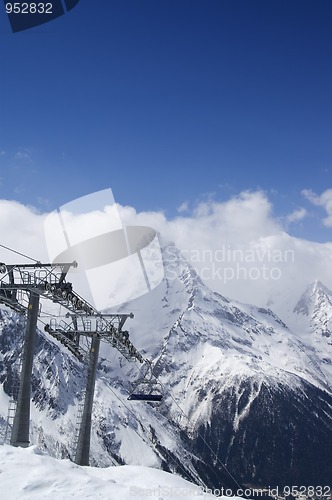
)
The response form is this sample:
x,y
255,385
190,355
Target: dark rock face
x,y
284,439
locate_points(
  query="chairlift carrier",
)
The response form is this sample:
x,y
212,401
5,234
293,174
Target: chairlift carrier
x,y
147,388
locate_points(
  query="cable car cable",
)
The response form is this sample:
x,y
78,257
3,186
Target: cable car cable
x,y
187,417
178,464
204,440
19,253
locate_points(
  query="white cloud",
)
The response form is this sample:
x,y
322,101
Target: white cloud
x,y
21,228
237,246
239,249
297,215
184,207
324,200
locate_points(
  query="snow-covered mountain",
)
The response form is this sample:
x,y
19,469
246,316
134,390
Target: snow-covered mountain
x,y
311,320
248,399
315,310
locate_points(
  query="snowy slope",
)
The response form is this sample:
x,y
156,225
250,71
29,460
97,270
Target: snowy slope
x,y
30,474
311,320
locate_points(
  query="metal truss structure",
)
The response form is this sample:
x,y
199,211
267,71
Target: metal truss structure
x,y
21,287
17,282
107,327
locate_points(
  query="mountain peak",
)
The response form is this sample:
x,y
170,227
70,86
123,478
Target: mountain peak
x,y
318,285
316,295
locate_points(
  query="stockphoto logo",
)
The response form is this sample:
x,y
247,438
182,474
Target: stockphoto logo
x,y
116,263
26,15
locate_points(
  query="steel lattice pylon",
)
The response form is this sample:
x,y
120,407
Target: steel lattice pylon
x,y
21,286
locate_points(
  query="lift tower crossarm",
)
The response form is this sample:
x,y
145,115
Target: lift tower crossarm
x,y
42,279
107,327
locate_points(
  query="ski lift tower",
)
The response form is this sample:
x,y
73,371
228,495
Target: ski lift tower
x,y
97,327
20,289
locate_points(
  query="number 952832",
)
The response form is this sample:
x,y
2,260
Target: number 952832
x,y
29,8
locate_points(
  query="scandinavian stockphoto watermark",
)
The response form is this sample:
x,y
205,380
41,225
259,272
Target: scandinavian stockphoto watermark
x,y
199,491
116,263
227,263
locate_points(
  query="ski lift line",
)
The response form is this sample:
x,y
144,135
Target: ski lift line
x,y
183,413
19,253
203,438
138,421
187,417
157,380
48,315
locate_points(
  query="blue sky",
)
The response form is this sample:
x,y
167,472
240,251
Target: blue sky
x,y
171,101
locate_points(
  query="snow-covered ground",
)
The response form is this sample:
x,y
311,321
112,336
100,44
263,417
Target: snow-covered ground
x,y
27,473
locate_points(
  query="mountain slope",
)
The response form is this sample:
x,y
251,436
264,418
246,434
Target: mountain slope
x,y
242,390
220,356
311,320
